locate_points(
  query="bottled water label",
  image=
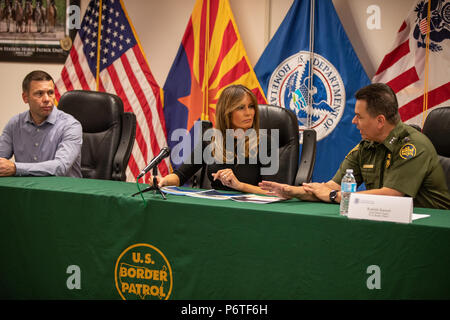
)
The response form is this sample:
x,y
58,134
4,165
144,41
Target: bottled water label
x,y
348,187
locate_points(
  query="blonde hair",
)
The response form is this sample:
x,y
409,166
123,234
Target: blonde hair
x,y
228,102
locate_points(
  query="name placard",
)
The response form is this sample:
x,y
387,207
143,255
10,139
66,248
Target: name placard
x,y
380,208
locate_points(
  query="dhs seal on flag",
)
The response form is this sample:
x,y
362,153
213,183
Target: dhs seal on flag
x,y
288,87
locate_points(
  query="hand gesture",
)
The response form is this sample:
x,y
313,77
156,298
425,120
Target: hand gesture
x,y
320,190
281,190
228,179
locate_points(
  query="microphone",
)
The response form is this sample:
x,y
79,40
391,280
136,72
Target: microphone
x,y
164,153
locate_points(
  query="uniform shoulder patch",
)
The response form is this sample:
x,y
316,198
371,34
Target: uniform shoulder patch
x,y
408,151
356,148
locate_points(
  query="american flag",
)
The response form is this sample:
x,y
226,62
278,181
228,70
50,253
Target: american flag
x,y
420,82
124,71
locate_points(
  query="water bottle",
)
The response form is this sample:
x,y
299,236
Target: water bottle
x,y
348,185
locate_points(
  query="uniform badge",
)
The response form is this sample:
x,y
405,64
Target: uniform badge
x,y
408,151
388,160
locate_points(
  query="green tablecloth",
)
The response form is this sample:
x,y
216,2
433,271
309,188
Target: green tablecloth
x,y
217,249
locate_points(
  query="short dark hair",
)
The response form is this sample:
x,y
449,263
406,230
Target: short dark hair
x,y
37,75
380,99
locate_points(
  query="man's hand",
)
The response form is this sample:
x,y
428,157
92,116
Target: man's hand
x,y
320,190
7,168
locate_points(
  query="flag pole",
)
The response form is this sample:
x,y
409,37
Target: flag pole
x,y
97,69
267,20
205,115
427,50
311,60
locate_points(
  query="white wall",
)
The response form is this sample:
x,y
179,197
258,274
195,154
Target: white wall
x,y
160,25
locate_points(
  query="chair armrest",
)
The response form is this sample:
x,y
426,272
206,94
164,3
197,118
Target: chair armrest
x,y
125,147
308,157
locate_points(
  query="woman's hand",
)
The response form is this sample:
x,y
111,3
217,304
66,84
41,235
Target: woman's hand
x,y
286,191
228,179
169,180
278,189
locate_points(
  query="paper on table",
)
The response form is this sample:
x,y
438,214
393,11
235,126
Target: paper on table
x,y
212,194
256,199
416,216
207,194
178,191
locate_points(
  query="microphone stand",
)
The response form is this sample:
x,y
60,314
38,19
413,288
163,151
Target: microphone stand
x,y
154,187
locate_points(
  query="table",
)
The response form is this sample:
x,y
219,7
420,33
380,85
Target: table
x,y
69,238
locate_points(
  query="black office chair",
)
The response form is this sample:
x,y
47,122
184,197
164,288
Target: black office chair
x,y
270,117
108,132
200,178
437,129
274,117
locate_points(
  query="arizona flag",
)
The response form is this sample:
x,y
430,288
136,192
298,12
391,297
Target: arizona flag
x,y
284,73
417,68
211,57
117,64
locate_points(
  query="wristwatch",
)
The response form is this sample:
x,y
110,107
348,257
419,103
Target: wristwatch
x,y
333,195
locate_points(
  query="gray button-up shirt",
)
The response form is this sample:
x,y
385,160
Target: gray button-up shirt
x,y
52,148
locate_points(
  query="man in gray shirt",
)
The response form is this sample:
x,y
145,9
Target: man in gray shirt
x,y
44,140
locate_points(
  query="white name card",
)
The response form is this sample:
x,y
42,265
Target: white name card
x,y
380,208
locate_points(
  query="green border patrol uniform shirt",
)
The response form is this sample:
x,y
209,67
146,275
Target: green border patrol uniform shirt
x,y
406,161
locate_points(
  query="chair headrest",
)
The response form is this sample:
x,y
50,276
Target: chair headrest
x,y
274,117
437,129
96,111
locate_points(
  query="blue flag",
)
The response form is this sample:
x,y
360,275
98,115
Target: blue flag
x,y
283,71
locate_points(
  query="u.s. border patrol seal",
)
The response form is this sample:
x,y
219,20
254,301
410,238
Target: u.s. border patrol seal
x,y
288,87
408,151
142,272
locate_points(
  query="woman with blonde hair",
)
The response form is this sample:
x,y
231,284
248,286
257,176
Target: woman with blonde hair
x,y
232,168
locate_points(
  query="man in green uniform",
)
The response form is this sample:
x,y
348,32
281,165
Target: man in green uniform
x,y
393,158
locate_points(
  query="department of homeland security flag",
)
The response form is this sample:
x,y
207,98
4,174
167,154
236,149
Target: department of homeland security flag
x,y
283,71
124,71
210,58
405,68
